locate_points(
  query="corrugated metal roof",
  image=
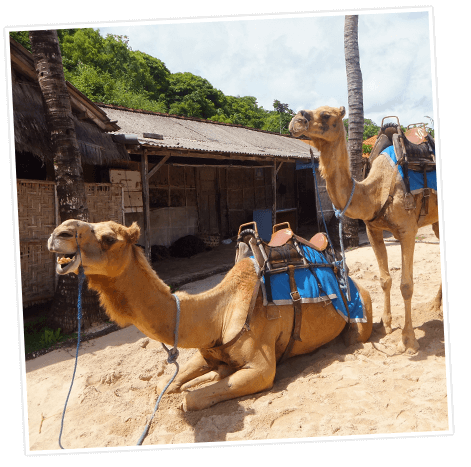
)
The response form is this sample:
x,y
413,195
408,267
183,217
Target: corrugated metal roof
x,y
203,135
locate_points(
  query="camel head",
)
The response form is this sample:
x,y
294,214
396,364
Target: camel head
x,y
104,248
324,123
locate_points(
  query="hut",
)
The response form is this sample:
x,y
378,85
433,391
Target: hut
x,y
192,176
36,194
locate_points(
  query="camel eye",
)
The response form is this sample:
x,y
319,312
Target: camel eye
x,y
325,116
108,240
65,235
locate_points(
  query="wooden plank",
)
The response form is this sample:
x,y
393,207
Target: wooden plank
x,y
157,167
145,202
273,183
152,135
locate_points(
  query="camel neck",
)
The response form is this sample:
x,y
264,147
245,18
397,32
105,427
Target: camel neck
x,y
335,169
138,296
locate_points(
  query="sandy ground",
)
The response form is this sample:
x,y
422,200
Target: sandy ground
x,y
365,389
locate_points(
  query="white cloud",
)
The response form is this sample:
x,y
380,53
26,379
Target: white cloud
x,y
299,60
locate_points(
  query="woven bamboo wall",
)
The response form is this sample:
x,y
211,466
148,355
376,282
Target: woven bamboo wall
x,y
37,218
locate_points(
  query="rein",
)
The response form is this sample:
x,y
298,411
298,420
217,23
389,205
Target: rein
x,y
340,215
172,358
81,279
172,354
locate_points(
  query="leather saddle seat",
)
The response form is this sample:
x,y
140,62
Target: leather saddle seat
x,y
415,147
283,248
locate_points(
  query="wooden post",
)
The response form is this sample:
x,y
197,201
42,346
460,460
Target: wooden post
x,y
273,186
145,177
145,202
275,173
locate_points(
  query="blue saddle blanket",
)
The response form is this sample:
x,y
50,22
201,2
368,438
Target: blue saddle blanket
x,y
309,291
416,179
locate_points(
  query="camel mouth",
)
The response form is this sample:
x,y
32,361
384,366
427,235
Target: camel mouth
x,y
67,263
298,127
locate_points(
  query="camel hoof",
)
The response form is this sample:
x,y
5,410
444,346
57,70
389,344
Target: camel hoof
x,y
194,401
385,328
188,403
408,346
183,407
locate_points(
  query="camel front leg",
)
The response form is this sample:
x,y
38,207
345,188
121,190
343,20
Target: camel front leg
x,y
254,377
375,236
409,342
193,368
241,383
437,301
222,372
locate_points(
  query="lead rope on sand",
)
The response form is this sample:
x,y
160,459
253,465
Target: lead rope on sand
x,y
81,279
172,353
172,358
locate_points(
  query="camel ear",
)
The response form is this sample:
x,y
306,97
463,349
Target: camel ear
x,y
133,233
342,111
305,114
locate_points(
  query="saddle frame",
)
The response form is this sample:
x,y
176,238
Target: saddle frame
x,y
287,257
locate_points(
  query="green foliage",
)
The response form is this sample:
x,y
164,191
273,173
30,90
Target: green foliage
x,y
39,336
367,148
241,111
22,37
107,70
50,337
278,121
369,128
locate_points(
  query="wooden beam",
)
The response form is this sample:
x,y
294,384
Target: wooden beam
x,y
145,202
157,167
273,181
152,135
279,167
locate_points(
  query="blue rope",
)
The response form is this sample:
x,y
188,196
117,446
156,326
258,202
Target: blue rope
x,y
81,278
315,166
172,353
339,214
172,358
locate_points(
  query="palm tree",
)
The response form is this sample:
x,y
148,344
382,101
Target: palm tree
x,y
67,169
355,114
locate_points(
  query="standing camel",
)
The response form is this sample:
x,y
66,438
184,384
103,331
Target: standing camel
x,y
325,128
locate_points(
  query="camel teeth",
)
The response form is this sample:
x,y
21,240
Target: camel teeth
x,y
64,260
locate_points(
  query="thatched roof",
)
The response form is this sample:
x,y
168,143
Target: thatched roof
x,y
30,127
160,130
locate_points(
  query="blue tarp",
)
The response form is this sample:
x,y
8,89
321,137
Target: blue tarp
x,y
416,179
309,291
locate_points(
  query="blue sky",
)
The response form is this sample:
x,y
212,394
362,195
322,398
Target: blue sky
x,y
299,59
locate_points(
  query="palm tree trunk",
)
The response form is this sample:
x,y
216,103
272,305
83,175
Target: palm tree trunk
x,y
355,115
67,170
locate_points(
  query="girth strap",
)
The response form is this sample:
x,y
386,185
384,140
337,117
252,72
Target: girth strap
x,y
296,304
297,318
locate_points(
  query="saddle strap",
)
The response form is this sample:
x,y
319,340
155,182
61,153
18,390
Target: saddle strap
x,y
296,304
425,194
297,318
390,195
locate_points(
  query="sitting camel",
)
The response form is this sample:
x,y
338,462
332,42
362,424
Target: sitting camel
x,y
325,128
241,363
